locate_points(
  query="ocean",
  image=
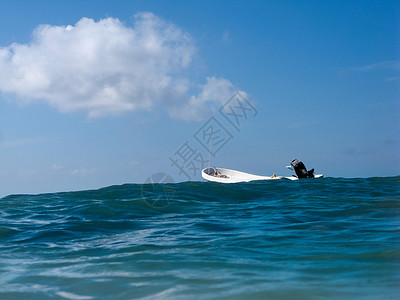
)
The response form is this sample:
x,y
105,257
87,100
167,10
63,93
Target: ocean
x,y
330,238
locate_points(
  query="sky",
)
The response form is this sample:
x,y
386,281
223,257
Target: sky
x,y
99,93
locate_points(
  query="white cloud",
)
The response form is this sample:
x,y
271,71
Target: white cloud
x,y
392,79
23,142
84,172
226,36
213,95
107,68
57,167
382,65
133,163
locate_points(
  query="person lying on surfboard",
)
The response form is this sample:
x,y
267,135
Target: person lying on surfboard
x,y
300,169
223,175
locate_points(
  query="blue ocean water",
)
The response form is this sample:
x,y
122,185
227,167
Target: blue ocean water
x,y
330,238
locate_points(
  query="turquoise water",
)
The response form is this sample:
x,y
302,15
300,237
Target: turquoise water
x,y
330,238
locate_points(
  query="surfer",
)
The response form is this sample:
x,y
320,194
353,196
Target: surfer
x,y
222,175
300,169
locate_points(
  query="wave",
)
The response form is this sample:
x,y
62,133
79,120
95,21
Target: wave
x,y
204,239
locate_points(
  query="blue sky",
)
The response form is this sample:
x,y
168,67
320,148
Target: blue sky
x,y
96,93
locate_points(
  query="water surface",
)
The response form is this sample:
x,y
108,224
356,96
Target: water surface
x,y
309,239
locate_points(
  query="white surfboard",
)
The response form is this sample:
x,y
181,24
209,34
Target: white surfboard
x,y
232,176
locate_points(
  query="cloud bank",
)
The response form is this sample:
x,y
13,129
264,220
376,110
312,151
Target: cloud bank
x,y
107,68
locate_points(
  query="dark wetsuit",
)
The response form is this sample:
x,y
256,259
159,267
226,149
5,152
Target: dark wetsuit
x,y
301,170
